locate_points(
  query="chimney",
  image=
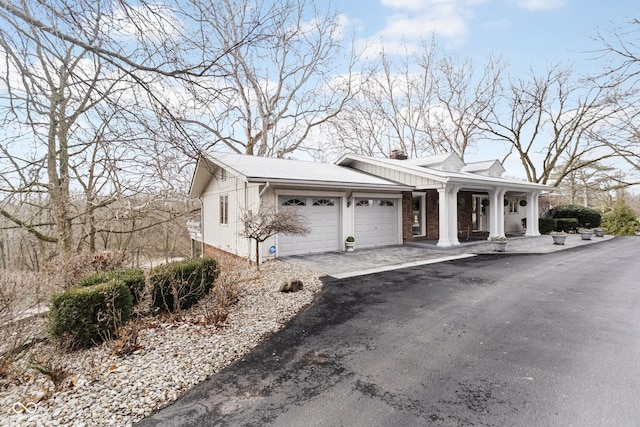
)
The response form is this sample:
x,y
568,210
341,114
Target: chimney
x,y
398,155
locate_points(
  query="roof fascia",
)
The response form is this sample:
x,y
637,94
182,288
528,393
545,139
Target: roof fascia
x,y
324,184
205,166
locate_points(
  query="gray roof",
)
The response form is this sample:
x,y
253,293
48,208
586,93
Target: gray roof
x,y
286,171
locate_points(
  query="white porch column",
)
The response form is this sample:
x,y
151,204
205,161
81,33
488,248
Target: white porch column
x,y
533,212
452,195
496,211
444,212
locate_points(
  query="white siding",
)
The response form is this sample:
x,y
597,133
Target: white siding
x,y
395,175
241,196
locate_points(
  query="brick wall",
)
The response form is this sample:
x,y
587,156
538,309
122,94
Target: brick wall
x,y
220,255
433,215
407,217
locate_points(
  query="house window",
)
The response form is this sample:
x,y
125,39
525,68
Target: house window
x,y
386,203
513,206
224,209
223,174
363,203
323,202
294,202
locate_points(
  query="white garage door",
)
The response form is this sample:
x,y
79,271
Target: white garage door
x,y
323,219
376,222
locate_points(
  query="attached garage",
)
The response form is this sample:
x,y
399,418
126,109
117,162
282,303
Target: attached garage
x,y
323,219
376,222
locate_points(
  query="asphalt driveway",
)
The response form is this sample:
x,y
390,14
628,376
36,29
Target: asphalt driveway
x,y
515,340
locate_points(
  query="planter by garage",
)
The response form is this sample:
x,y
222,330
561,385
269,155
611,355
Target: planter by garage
x,y
599,232
350,244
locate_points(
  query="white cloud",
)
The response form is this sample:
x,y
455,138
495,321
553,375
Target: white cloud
x,y
412,20
536,5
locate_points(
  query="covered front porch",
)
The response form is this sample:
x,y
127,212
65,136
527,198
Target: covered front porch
x,y
469,213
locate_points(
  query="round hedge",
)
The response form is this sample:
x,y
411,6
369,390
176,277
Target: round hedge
x,y
133,278
188,280
84,316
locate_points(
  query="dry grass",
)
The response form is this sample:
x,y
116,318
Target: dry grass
x,y
24,347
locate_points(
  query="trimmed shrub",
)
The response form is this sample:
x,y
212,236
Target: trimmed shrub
x,y
567,224
133,278
84,316
587,217
181,284
546,225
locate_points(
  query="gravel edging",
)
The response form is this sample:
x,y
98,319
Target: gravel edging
x,y
109,390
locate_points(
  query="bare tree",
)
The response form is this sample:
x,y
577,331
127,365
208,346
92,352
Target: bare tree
x,y
77,136
550,122
619,53
465,98
418,102
268,222
270,94
393,99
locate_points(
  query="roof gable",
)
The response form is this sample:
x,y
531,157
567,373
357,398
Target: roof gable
x,y
449,162
486,168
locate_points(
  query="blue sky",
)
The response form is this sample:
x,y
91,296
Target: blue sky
x,y
525,32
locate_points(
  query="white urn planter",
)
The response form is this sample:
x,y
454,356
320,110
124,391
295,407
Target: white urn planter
x,y
499,243
558,239
350,244
586,235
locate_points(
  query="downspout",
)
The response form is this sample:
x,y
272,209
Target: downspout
x,y
266,186
246,205
201,227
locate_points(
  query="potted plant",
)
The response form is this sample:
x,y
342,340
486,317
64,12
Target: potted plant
x,y
599,232
350,243
586,233
558,237
499,243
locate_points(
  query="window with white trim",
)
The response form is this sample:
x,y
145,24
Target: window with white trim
x,y
363,202
513,206
294,202
224,209
223,174
323,202
386,203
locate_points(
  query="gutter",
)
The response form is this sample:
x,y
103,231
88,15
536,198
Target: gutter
x,y
323,184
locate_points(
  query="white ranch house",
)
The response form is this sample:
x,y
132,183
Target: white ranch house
x,y
381,202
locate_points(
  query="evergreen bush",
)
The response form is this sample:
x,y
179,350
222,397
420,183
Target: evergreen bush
x,y
587,217
621,220
84,316
133,278
181,284
567,224
546,225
